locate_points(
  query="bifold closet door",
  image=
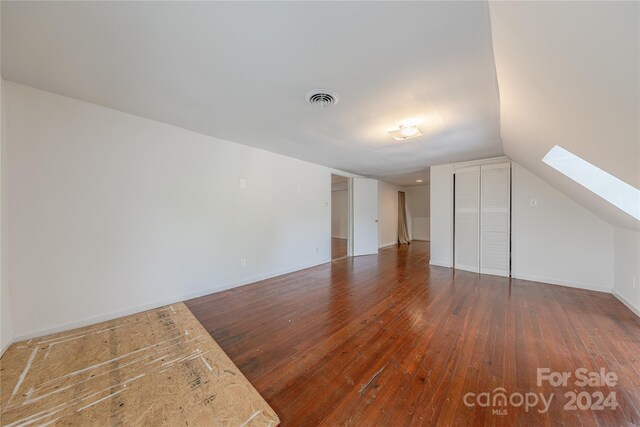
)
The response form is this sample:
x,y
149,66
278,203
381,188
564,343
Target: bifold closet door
x,y
495,203
467,219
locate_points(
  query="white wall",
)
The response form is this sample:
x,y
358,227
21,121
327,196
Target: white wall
x,y
441,215
557,241
5,315
339,214
418,207
626,267
388,213
111,213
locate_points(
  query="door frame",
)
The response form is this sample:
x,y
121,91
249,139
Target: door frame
x,y
349,210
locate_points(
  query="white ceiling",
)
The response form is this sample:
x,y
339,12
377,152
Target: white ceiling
x,y
569,75
240,71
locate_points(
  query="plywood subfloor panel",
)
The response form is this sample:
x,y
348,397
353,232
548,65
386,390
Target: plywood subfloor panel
x,y
159,367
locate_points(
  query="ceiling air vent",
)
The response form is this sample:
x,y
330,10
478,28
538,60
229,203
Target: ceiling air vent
x,y
323,98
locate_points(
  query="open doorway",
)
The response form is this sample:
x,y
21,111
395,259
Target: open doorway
x,y
339,217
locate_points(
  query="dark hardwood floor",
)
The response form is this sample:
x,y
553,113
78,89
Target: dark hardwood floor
x,y
338,248
388,340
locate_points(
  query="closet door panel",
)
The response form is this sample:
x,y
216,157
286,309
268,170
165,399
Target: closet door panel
x,y
495,202
467,219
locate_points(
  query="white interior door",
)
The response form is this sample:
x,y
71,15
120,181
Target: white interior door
x,y
467,219
365,216
495,202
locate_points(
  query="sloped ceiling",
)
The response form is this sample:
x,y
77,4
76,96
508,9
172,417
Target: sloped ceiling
x,y
568,75
241,70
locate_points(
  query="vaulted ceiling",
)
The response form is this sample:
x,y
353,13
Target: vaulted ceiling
x,y
474,75
241,70
569,75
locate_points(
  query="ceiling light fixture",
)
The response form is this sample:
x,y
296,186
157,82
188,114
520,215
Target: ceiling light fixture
x,y
405,132
418,180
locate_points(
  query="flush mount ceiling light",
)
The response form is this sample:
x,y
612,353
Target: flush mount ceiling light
x,y
405,132
418,180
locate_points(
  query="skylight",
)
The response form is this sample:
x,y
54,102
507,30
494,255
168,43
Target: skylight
x,y
605,185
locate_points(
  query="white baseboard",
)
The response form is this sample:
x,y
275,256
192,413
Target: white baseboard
x,y
495,272
440,263
630,306
139,308
568,283
386,245
5,347
222,287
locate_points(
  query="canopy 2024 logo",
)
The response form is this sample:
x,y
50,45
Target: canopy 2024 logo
x,y
500,400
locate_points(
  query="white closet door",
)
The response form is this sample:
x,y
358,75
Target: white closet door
x,y
467,219
495,202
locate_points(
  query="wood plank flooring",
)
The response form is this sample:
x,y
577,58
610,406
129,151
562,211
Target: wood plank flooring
x,y
338,248
389,340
